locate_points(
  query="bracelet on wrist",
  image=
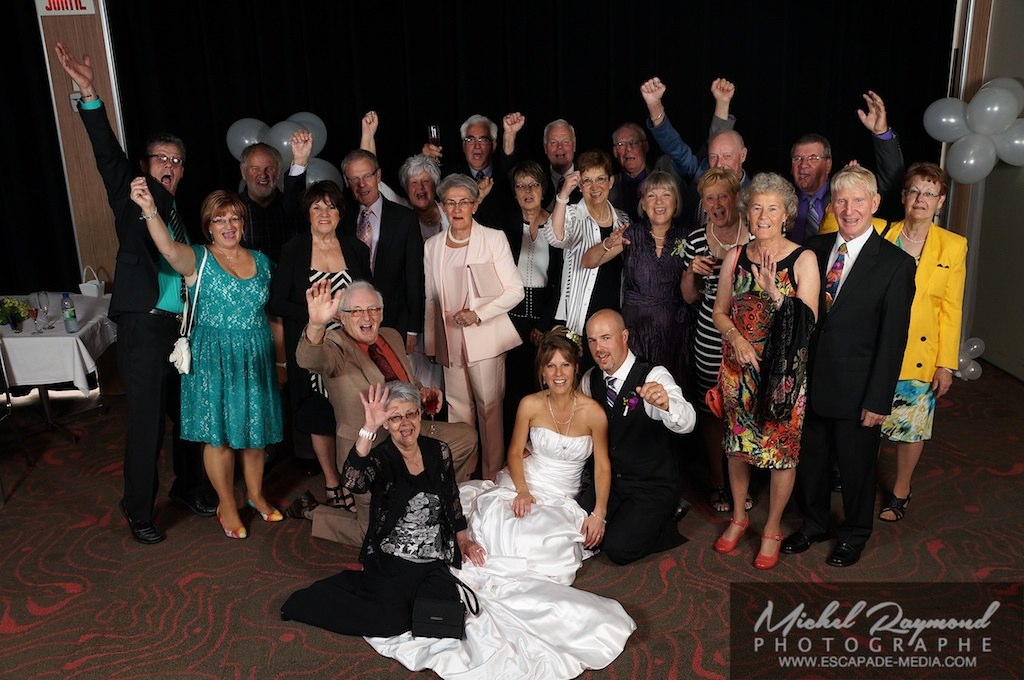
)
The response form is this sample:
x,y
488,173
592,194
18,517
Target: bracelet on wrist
x,y
559,199
366,434
605,245
599,517
725,335
146,217
280,364
660,116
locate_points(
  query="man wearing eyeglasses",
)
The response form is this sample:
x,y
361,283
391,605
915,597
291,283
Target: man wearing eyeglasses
x,y
629,146
391,233
350,359
811,158
147,303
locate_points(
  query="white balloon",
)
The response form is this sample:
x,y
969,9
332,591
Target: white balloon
x,y
945,119
1010,143
971,158
319,169
313,123
974,347
280,137
973,371
245,132
992,110
1011,84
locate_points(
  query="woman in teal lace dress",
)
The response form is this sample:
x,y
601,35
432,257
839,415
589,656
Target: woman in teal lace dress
x,y
230,399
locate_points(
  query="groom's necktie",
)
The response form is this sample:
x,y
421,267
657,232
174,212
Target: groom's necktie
x,y
612,392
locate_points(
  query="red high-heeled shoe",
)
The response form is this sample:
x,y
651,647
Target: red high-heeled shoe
x,y
724,545
763,561
240,532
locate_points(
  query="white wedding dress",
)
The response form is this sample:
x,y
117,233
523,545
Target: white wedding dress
x,y
532,623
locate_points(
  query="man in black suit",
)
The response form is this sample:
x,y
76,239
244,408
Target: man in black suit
x,y
856,353
147,303
644,407
392,235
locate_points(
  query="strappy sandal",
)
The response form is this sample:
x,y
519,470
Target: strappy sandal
x,y
748,504
719,500
339,497
896,506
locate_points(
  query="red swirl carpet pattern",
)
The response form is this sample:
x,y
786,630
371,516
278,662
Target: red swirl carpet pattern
x,y
80,599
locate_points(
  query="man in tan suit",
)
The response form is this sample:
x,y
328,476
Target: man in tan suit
x,y
350,359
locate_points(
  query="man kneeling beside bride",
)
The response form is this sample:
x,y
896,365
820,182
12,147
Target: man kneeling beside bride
x,y
517,542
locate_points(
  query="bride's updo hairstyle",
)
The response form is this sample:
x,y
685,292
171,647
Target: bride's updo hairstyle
x,y
563,340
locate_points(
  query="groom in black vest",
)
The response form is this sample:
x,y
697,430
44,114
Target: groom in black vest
x,y
644,407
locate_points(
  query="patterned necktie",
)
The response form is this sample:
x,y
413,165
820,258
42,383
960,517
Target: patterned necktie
x,y
612,392
382,363
813,218
479,175
178,231
364,230
833,277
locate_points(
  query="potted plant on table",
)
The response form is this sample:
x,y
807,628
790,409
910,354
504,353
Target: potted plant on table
x,y
13,312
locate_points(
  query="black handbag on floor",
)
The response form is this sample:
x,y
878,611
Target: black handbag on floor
x,y
435,618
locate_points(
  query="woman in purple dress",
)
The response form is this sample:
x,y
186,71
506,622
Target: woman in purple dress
x,y
652,270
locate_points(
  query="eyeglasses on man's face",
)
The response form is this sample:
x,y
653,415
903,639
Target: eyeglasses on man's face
x,y
411,416
812,159
628,143
164,158
470,139
360,311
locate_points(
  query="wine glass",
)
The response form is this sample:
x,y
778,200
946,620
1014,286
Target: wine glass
x,y
434,135
431,407
33,313
43,305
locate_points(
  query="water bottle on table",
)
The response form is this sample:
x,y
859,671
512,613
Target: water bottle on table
x,y
67,307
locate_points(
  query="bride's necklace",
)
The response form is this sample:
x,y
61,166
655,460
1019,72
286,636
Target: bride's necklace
x,y
558,423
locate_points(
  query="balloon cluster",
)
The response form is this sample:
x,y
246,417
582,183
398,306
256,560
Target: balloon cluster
x,y
970,350
981,132
245,132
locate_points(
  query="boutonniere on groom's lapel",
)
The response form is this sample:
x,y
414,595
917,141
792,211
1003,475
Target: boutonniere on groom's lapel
x,y
630,402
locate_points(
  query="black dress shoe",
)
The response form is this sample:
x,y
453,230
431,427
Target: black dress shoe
x,y
843,555
681,510
195,502
799,542
836,481
143,532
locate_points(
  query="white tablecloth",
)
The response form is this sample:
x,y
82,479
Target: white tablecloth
x,y
54,357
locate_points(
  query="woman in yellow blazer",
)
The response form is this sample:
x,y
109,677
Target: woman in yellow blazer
x,y
471,285
933,342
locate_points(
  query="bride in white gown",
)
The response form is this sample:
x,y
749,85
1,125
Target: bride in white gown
x,y
534,537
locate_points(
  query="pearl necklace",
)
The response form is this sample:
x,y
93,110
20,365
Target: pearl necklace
x,y
722,245
903,235
458,241
567,423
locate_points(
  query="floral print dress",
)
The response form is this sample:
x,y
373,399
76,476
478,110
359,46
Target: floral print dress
x,y
763,443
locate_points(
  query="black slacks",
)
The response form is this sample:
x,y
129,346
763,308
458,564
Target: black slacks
x,y
639,519
152,389
375,602
855,450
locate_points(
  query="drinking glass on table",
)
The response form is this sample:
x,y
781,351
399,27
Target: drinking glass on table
x,y
43,305
33,313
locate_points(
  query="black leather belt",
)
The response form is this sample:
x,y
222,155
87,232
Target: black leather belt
x,y
165,313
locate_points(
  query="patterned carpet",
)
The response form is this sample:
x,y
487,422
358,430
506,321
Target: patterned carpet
x,y
80,599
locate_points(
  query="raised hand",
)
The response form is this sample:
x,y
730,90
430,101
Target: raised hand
x,y
370,123
139,192
652,91
320,304
764,275
722,90
486,184
616,239
654,393
572,180
874,119
375,412
432,151
302,147
513,122
79,71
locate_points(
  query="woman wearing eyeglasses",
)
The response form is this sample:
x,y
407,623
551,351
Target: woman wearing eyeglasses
x,y
576,229
932,352
471,285
416,531
229,400
323,253
540,267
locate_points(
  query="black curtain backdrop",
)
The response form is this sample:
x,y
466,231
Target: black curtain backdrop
x,y
194,67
